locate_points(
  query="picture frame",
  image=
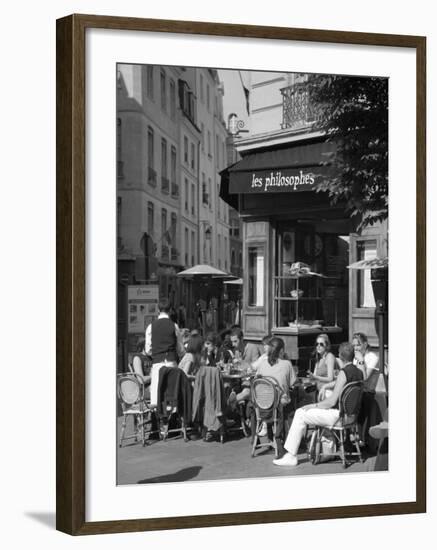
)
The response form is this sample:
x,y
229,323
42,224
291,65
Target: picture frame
x,y
71,204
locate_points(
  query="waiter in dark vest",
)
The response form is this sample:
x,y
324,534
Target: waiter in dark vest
x,y
161,344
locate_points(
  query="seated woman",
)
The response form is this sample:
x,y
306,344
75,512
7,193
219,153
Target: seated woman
x,y
368,362
190,362
324,370
210,350
275,366
142,364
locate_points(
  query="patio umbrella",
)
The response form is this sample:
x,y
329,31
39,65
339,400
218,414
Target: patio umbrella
x,y
373,263
203,270
234,282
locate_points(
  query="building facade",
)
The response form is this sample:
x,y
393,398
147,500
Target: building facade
x,y
286,222
171,146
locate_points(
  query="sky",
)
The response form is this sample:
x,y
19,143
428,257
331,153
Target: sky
x,y
234,100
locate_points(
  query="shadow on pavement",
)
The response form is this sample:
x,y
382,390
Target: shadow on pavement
x,y
182,475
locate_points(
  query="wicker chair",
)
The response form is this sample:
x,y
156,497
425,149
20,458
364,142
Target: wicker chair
x,y
349,407
265,395
130,391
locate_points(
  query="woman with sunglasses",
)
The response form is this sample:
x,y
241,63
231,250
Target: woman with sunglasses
x,y
325,362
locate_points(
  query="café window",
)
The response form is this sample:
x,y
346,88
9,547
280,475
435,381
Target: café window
x,y
256,276
366,250
310,286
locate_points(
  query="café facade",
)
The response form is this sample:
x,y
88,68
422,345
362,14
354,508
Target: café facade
x,y
297,245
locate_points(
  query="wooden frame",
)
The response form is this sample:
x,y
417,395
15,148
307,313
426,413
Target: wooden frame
x,y
70,384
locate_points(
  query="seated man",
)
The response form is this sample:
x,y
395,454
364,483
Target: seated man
x,y
323,413
247,352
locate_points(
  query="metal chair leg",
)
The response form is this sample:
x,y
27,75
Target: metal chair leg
x,y
342,452
123,428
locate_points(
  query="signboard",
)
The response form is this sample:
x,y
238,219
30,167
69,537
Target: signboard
x,y
286,180
142,307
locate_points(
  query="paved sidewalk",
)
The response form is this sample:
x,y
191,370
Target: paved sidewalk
x,y
177,460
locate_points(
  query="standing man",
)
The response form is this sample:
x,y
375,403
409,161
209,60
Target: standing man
x,y
161,344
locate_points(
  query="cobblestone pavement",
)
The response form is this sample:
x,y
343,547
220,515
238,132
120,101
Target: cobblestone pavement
x,y
177,460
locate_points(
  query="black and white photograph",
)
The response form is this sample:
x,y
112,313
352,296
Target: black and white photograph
x,y
252,274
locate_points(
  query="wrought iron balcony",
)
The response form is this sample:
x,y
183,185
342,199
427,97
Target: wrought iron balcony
x,y
165,185
297,110
151,179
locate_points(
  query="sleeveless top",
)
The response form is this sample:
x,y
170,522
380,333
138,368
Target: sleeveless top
x,y
145,363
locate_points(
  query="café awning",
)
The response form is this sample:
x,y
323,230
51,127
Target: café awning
x,y
294,168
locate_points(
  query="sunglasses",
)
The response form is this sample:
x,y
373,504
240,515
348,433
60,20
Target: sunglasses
x,y
322,344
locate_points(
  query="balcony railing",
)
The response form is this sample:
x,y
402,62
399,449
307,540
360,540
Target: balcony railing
x,y
151,178
297,110
174,190
165,185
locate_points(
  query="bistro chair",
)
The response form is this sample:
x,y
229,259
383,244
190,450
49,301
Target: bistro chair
x,y
349,407
265,396
175,400
130,391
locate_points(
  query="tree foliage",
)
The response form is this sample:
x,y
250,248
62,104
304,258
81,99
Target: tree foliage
x,y
353,112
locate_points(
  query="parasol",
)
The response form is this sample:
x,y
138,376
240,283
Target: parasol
x,y
373,263
203,270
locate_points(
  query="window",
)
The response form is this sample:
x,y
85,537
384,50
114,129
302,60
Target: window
x,y
172,99
163,222
164,158
366,250
205,198
150,147
193,200
193,248
208,99
186,195
225,252
150,218
173,228
219,250
256,276
202,137
193,156
217,156
163,91
187,252
209,143
165,184
202,95
210,193
173,171
232,258
186,149
150,81
151,175
224,160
